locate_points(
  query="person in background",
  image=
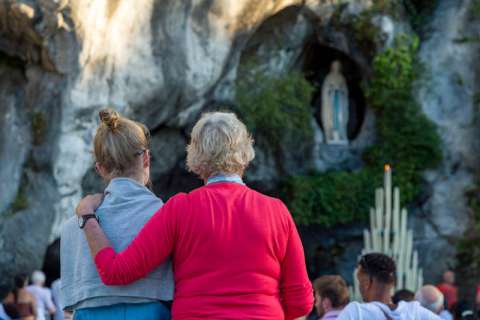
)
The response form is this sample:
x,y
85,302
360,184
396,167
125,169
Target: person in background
x,y
432,299
122,159
403,295
331,296
464,310
376,276
448,288
42,295
236,253
3,313
20,303
56,287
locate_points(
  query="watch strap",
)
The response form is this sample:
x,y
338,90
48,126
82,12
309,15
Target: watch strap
x,y
86,217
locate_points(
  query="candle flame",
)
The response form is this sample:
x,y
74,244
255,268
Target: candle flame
x,y
387,167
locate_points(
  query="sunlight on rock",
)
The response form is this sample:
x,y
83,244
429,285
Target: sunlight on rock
x,y
116,57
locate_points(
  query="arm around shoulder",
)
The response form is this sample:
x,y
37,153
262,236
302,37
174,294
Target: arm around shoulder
x,y
149,249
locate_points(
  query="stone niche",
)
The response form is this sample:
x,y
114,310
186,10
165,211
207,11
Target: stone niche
x,y
295,39
317,63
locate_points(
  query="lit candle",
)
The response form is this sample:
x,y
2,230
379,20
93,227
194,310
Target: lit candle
x,y
388,207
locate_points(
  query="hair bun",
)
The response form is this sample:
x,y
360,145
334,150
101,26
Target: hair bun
x,y
109,117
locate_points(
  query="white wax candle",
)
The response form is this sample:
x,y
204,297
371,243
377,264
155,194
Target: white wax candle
x,y
415,271
388,208
396,221
372,219
408,254
367,241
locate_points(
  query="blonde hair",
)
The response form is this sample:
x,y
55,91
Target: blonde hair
x,y
220,143
118,143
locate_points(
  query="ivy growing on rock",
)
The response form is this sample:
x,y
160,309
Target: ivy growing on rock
x,y
406,139
275,107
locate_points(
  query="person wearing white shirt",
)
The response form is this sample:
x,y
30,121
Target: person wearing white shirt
x,y
57,300
376,276
42,295
431,298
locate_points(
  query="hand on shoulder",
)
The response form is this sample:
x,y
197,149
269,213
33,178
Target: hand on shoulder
x,y
89,204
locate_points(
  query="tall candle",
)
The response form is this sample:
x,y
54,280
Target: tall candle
x,y
396,221
372,219
379,214
408,253
388,207
414,270
367,241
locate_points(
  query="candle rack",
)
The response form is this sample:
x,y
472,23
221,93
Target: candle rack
x,y
388,234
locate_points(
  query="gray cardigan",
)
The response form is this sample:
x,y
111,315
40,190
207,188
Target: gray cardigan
x,y
126,208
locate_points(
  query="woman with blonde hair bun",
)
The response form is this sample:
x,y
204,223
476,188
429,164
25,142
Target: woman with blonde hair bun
x,y
236,252
122,159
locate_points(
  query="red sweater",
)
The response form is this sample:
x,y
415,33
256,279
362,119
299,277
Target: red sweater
x,y
236,255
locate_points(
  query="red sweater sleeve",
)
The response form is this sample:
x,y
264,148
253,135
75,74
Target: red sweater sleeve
x,y
149,249
295,286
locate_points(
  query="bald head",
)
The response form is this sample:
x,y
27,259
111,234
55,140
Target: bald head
x,y
431,298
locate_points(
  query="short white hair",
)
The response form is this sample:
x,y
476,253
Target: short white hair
x,y
430,298
220,143
38,277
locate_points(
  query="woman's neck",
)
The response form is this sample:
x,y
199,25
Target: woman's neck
x,y
137,178
222,174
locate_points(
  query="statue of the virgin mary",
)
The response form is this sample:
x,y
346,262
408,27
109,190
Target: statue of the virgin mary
x,y
335,106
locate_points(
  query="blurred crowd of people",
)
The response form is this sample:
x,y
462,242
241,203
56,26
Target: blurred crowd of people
x,y
376,276
32,300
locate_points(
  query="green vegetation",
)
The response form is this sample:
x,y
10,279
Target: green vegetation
x,y
20,202
390,7
407,140
330,198
366,33
39,127
419,11
275,107
475,9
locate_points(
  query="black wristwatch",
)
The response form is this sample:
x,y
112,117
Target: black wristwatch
x,y
82,220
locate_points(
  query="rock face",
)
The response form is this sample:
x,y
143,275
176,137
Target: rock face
x,y
449,101
163,63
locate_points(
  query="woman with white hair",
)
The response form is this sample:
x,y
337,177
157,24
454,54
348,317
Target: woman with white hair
x,y
236,253
43,296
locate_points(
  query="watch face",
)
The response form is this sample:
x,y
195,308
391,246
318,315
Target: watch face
x,y
80,222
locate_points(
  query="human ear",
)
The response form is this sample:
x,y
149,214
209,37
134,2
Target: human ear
x,y
101,171
326,304
146,159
